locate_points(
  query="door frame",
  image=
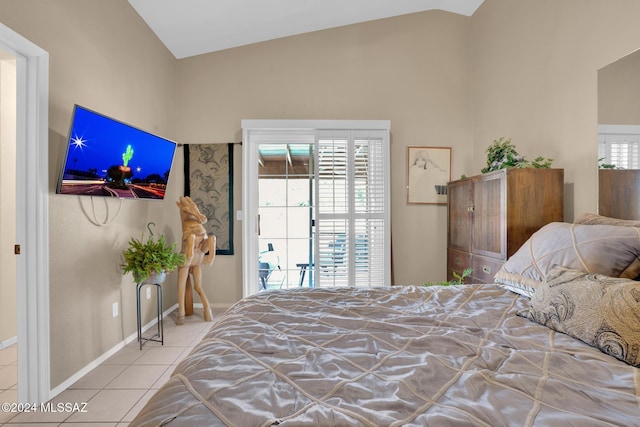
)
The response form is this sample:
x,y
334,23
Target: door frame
x,y
250,194
32,215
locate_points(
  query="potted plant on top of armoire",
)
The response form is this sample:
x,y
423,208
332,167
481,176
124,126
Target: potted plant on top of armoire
x,y
502,154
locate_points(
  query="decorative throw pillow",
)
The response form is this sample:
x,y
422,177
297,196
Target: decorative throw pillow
x,y
602,249
633,271
602,311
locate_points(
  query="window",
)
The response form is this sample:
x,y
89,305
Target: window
x,y
619,146
346,170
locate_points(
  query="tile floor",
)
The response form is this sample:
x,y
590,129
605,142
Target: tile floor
x,y
116,390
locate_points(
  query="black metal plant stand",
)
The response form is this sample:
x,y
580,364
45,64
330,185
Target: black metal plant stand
x,y
159,336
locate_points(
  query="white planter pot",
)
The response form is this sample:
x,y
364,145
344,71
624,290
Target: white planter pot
x,y
155,278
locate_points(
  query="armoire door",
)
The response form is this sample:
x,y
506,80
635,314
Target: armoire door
x,y
489,211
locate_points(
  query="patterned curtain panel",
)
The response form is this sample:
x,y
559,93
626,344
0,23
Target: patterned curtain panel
x,y
208,170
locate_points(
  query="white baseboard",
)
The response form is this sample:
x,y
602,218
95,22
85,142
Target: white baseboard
x,y
113,350
213,305
8,342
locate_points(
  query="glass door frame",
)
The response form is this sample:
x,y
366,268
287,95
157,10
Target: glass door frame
x,y
281,131
286,209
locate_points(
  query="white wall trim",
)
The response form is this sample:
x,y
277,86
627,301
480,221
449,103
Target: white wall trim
x,y
32,213
315,124
221,305
8,342
617,129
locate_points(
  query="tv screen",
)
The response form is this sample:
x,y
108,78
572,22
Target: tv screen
x,y
106,157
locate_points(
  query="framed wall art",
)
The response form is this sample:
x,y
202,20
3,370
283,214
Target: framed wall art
x,y
428,172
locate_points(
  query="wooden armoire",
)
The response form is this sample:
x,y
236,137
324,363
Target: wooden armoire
x,y
491,215
618,195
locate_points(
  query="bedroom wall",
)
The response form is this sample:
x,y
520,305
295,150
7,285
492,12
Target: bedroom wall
x,y
619,91
413,70
102,56
535,80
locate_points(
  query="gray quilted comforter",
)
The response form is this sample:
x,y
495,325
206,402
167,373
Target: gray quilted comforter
x,y
418,356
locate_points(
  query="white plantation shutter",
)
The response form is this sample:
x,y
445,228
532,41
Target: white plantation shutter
x,y
333,200
619,146
370,208
351,224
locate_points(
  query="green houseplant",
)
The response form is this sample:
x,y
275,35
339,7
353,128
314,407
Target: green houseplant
x,y
603,165
502,154
143,259
458,279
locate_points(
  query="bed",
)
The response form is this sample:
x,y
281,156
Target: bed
x,y
469,355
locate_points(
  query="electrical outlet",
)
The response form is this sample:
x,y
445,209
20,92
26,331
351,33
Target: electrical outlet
x,y
148,293
115,309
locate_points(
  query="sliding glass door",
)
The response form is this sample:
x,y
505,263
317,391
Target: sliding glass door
x,y
285,214
316,204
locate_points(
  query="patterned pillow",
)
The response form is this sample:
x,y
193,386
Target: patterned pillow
x,y
603,312
603,249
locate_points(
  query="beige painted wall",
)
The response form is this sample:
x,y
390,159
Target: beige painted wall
x,y
8,312
619,91
535,80
413,70
102,56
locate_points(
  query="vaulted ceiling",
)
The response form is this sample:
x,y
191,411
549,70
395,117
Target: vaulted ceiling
x,y
194,27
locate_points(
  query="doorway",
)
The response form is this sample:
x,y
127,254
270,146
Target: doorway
x,y
32,215
316,205
285,215
8,298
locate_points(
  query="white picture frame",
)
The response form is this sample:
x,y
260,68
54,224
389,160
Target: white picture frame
x,y
428,172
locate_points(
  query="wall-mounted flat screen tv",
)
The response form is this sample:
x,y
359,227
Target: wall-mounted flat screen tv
x,y
106,157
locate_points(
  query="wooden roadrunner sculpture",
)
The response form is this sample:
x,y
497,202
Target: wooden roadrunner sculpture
x,y
199,249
